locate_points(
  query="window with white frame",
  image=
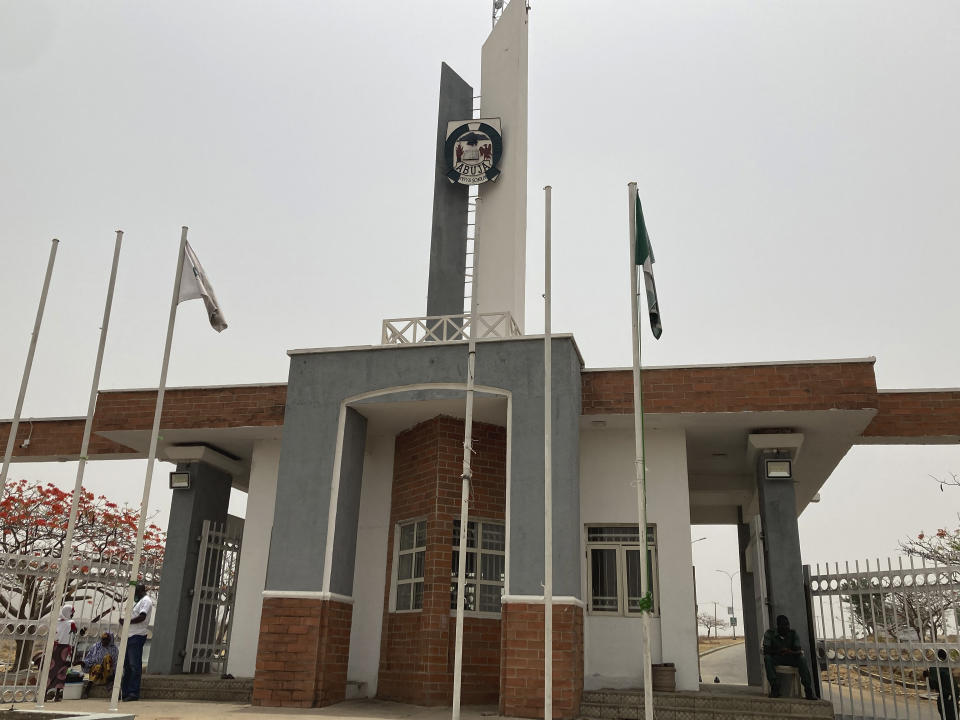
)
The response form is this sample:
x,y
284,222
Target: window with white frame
x,y
483,590
613,553
411,543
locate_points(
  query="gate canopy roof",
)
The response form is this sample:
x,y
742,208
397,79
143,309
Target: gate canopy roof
x,y
832,404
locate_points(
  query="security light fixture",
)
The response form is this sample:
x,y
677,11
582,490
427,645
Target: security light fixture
x,y
779,469
179,480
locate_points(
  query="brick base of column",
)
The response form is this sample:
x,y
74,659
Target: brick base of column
x,y
521,660
334,653
302,652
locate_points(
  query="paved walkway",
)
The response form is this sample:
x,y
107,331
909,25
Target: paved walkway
x,y
348,710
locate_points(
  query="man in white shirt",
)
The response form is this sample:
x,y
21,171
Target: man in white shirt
x,y
133,659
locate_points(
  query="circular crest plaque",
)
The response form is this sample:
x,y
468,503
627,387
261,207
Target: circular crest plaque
x,y
472,152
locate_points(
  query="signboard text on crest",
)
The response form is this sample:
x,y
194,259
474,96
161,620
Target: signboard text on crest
x,y
473,150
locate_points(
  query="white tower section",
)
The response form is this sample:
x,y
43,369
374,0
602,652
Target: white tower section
x,y
502,215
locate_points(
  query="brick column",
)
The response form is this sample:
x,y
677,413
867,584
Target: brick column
x,y
334,653
417,648
302,652
521,660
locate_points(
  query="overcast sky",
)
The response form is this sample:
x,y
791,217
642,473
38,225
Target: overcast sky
x,y
798,163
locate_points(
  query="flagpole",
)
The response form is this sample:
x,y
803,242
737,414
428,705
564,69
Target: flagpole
x,y
151,458
66,551
547,470
465,478
640,463
15,423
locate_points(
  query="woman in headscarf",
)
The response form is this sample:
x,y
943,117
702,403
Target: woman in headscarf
x,y
100,660
62,652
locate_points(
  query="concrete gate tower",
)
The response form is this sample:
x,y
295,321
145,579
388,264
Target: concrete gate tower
x,y
500,177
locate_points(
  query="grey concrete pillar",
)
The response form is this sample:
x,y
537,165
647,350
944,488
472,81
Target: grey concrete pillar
x,y
207,499
526,479
781,553
751,637
348,503
448,238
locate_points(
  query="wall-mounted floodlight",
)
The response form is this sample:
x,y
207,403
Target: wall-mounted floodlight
x,y
179,480
779,469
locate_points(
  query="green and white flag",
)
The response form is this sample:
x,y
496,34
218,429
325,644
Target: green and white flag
x,y
645,260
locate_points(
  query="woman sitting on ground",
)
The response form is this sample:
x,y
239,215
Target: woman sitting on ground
x,y
100,660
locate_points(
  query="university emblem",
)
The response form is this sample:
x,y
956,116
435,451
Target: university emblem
x,y
473,150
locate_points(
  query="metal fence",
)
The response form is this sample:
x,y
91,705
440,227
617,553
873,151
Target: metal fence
x,y
214,594
97,590
887,637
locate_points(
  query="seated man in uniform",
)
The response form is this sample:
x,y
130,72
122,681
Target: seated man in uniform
x,y
781,646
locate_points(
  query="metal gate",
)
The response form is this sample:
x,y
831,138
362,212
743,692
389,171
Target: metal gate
x,y
97,589
887,638
214,595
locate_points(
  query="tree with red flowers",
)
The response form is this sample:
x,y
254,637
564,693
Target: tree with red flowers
x,y
942,546
33,529
919,613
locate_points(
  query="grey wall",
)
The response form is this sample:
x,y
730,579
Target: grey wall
x,y
348,502
781,554
527,470
319,382
207,499
751,635
448,239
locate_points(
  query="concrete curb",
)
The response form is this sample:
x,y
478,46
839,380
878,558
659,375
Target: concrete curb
x,y
718,649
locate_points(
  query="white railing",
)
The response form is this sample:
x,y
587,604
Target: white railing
x,y
448,328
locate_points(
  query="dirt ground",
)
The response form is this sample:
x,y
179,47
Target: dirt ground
x,y
866,678
712,643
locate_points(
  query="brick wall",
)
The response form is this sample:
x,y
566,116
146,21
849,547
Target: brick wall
x,y
416,649
521,660
915,414
61,439
216,407
826,386
302,652
334,653
186,408
480,679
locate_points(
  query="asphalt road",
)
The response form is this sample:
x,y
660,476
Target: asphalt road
x,y
729,664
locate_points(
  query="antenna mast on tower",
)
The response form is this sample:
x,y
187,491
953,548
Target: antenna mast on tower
x,y
497,8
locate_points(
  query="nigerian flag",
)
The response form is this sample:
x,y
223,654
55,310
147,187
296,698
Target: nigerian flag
x,y
645,260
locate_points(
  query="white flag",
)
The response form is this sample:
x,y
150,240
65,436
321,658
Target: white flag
x,y
195,284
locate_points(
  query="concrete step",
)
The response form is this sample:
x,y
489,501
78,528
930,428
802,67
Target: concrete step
x,y
628,705
189,687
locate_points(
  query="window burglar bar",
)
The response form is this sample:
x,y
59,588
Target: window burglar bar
x,y
412,549
491,552
613,553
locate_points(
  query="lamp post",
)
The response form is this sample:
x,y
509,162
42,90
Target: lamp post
x,y
731,596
